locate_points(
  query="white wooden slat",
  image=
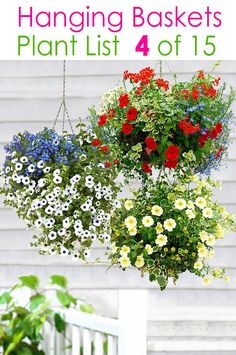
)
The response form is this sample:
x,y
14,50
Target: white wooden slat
x,y
87,342
76,343
59,344
112,345
20,69
132,319
98,343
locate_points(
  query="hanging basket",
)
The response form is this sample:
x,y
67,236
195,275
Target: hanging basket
x,y
168,229
184,126
62,186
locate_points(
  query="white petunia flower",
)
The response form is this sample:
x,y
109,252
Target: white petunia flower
x,y
64,252
47,169
161,240
40,164
147,221
201,202
56,172
207,213
24,159
180,204
129,204
198,265
149,249
124,261
130,222
190,213
157,210
66,223
18,166
169,224
31,168
139,261
52,235
42,182
57,179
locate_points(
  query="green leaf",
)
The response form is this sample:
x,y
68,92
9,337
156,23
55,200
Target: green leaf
x,y
30,281
5,298
36,300
60,324
7,316
59,280
162,282
87,308
65,298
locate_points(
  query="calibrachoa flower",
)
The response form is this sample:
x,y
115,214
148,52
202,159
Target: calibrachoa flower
x,y
166,242
182,127
62,186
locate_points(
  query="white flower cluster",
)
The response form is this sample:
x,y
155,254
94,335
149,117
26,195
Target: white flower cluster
x,y
110,98
70,208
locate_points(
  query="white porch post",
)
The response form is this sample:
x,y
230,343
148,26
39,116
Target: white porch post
x,y
132,322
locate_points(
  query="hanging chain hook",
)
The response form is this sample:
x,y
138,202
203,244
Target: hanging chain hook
x,y
65,112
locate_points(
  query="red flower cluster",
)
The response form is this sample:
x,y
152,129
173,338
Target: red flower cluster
x,y
147,168
213,134
127,128
195,94
201,74
111,113
139,90
102,120
131,114
188,128
151,144
123,100
172,154
144,76
161,83
104,148
96,142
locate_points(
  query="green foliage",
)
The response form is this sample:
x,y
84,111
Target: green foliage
x,y
21,325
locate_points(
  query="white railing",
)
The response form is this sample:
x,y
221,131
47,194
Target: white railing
x,y
91,334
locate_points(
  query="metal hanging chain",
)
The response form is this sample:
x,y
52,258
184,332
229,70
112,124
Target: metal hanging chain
x,y
63,106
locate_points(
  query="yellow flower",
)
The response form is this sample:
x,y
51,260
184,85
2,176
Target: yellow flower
x,y
198,265
113,248
180,204
157,210
194,178
117,233
227,278
169,224
202,252
165,250
211,254
130,222
222,209
190,214
124,261
133,231
149,249
129,204
219,233
207,213
206,280
161,240
200,202
203,236
173,249
124,250
147,221
190,205
217,272
159,228
180,188
139,261
211,240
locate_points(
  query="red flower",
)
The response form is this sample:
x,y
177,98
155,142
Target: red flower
x,y
144,76
218,154
216,130
116,161
139,90
211,92
131,114
102,120
123,100
107,164
201,74
186,94
147,168
171,164
96,142
104,148
172,152
203,138
151,144
111,113
127,128
195,94
161,83
217,81
188,128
